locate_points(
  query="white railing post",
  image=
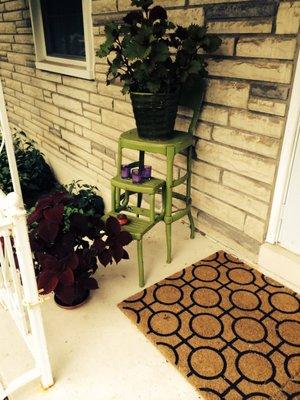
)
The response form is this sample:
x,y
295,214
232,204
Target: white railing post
x,y
7,137
20,297
31,297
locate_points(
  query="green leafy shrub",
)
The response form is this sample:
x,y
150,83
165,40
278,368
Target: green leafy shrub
x,y
35,174
151,54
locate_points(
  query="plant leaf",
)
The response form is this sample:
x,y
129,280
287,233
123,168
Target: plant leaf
x,y
112,226
55,214
47,231
47,281
125,238
158,13
66,278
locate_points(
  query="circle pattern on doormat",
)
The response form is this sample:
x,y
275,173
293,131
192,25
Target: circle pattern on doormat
x,y
232,331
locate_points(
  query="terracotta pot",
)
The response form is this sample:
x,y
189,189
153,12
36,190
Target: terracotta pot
x,y
76,303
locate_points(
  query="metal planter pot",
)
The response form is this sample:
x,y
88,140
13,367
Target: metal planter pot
x,y
155,114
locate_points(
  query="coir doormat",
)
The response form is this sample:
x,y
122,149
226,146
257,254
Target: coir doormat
x,y
233,332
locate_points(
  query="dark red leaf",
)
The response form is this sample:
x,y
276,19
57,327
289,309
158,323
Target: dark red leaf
x,y
80,223
158,13
133,18
124,238
47,281
35,216
117,253
67,278
47,231
48,262
112,226
105,257
70,261
98,246
125,255
60,197
55,214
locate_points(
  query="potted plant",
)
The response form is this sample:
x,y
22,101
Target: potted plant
x,y
153,59
68,241
35,174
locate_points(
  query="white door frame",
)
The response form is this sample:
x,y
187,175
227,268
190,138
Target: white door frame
x,y
286,159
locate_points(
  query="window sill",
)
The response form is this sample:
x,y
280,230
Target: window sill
x,y
65,69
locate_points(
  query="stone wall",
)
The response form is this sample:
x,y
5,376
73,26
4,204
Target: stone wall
x,y
77,122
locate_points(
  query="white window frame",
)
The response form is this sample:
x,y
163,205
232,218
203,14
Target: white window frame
x,y
78,68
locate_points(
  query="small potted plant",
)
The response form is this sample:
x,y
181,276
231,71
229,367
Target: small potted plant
x,y
35,174
153,59
68,241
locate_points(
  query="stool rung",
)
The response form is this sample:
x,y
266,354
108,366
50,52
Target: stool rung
x,y
180,181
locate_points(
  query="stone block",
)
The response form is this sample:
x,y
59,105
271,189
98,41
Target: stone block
x,y
251,9
67,103
257,144
83,95
267,106
257,123
231,197
217,115
206,170
7,27
288,18
14,5
272,71
269,90
254,228
187,16
100,6
117,121
246,164
76,140
220,210
245,26
248,186
270,47
228,93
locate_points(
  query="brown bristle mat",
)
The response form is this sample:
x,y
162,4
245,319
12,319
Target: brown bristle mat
x,y
231,331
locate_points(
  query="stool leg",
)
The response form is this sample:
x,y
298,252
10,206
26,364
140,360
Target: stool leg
x,y
169,242
113,198
140,263
141,165
169,197
139,201
188,190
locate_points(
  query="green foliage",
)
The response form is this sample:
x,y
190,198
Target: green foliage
x,y
35,174
85,201
151,54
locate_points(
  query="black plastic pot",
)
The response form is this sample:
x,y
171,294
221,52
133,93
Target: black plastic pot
x,y
155,114
76,303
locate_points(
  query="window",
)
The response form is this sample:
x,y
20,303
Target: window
x,y
63,36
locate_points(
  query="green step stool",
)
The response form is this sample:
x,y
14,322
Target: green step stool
x,y
141,220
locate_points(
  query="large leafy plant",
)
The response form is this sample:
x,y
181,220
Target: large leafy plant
x,y
68,244
148,53
35,174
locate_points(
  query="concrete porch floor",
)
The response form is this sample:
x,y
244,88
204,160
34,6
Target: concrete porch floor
x,y
96,352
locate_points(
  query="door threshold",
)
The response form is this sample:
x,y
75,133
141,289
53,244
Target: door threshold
x,y
280,264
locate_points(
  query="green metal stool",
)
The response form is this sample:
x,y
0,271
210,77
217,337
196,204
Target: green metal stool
x,y
191,97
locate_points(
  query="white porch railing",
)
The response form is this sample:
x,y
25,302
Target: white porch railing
x,y
18,288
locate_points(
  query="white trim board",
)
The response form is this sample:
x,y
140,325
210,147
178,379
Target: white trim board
x,y
280,264
286,158
77,68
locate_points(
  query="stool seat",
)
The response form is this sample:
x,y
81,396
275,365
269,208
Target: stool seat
x,y
178,140
151,186
136,226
